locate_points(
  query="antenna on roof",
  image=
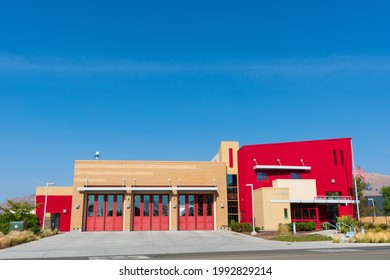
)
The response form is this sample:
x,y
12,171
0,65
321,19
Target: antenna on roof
x,y
97,155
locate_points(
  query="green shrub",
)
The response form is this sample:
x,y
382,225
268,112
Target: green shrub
x,y
349,221
308,226
241,227
257,229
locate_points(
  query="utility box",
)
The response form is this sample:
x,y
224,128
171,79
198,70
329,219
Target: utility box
x,y
17,226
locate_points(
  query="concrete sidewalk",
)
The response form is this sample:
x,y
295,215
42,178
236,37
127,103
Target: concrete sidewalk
x,y
95,244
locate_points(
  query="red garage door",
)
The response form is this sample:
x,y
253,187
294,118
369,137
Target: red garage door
x,y
196,212
151,212
104,212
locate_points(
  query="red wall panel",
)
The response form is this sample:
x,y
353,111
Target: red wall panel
x,y
318,154
55,204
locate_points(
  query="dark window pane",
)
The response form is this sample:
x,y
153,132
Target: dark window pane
x,y
209,201
91,201
137,205
110,205
146,205
200,205
182,205
232,180
298,214
305,213
191,202
285,213
232,193
313,214
262,176
100,205
233,207
232,219
156,202
119,205
165,205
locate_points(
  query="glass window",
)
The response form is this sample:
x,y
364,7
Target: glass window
x,y
182,205
200,205
119,205
342,157
91,201
296,175
191,202
313,214
146,205
165,205
305,213
285,213
232,219
100,205
334,157
110,205
262,176
232,180
232,193
298,214
137,205
232,207
209,201
156,202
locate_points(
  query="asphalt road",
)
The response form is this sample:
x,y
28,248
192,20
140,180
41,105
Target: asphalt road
x,y
362,253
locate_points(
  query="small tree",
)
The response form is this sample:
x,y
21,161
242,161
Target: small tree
x,y
18,211
386,204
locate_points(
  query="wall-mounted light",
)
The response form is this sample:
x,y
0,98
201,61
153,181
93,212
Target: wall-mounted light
x,y
222,205
64,211
128,206
77,206
333,181
174,206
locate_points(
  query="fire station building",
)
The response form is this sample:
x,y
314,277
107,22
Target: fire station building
x,y
291,182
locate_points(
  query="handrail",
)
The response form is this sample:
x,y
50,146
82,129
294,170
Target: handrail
x,y
326,224
324,197
351,228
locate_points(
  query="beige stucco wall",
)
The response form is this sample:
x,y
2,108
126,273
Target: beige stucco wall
x,y
302,189
54,190
223,155
270,214
106,173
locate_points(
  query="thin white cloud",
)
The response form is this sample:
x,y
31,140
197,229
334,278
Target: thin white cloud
x,y
289,67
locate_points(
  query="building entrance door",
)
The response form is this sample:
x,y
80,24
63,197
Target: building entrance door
x,y
151,212
196,212
104,212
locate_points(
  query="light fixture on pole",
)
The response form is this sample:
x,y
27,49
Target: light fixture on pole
x,y
44,207
373,205
253,210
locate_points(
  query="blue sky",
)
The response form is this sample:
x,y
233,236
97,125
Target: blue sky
x,y
168,80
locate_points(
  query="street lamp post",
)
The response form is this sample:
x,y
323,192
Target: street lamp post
x,y
44,207
253,211
373,206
